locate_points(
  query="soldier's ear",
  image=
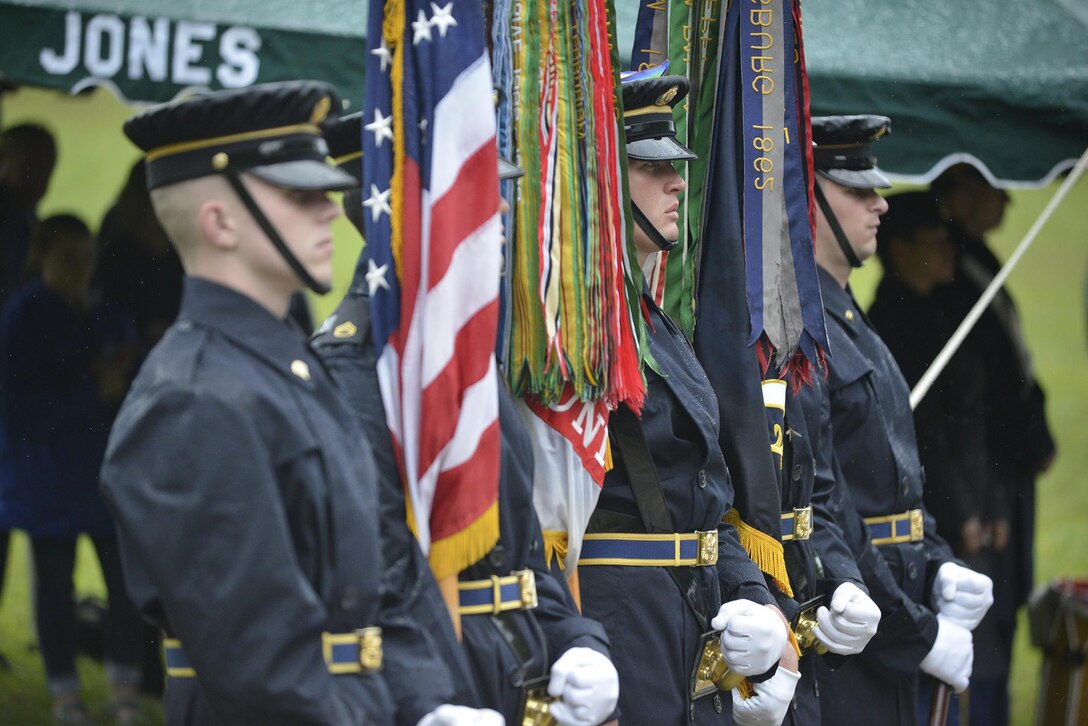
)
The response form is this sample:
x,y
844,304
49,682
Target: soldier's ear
x,y
217,224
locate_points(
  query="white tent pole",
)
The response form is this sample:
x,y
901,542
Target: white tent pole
x,y
988,294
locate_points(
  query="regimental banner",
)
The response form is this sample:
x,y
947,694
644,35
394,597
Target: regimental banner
x,y
149,57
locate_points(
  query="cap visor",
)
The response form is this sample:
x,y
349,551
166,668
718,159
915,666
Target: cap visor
x,y
865,179
508,170
305,174
662,149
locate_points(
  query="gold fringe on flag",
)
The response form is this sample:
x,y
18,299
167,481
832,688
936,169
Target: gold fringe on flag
x,y
448,555
765,551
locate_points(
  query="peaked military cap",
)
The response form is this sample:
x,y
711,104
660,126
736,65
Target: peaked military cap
x,y
843,149
272,131
344,137
647,117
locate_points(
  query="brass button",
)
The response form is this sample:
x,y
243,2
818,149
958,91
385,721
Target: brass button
x,y
300,369
849,316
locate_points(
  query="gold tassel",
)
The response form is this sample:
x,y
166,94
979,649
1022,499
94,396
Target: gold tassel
x,y
746,689
765,551
452,554
555,546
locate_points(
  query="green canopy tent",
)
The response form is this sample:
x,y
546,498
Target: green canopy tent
x,y
1002,84
154,50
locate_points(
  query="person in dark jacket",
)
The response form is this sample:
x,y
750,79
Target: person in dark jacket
x,y
670,485
243,488
928,602
822,570
533,638
66,359
1014,404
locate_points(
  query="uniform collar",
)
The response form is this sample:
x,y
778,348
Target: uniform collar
x,y
839,303
249,325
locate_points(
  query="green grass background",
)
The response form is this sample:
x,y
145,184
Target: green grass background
x,y
1049,286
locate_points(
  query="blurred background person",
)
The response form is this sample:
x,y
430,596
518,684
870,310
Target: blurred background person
x,y
65,363
1020,443
917,255
28,155
138,269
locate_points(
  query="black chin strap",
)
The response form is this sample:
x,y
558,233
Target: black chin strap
x,y
270,231
651,231
836,228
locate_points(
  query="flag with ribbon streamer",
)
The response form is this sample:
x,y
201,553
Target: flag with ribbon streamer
x,y
430,198
575,337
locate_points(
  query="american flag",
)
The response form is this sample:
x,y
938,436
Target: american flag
x,y
431,200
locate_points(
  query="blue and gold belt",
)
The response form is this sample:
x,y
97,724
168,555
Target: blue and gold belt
x,y
797,525
650,550
344,653
516,591
896,528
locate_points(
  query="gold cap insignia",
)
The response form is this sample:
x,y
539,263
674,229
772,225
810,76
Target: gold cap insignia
x,y
664,98
345,330
321,110
300,369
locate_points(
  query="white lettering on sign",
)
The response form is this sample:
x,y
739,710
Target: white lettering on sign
x,y
187,51
238,47
148,48
103,51
183,54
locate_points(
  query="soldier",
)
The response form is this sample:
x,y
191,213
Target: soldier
x,y
836,614
653,569
928,602
529,646
242,486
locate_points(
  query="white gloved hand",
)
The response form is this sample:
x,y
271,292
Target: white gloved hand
x,y
952,655
768,707
753,636
451,715
848,625
962,595
587,686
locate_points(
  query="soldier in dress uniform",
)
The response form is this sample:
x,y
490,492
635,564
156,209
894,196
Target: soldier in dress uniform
x,y
242,486
529,651
928,602
836,615
653,568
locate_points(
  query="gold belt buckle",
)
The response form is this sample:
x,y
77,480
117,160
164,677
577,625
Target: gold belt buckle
x,y
527,589
708,547
802,522
370,648
712,674
917,526
538,704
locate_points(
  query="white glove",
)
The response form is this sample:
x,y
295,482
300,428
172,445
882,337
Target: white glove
x,y
587,686
450,715
848,625
753,637
962,595
768,707
952,655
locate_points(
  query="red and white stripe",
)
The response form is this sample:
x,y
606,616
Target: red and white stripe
x,y
440,367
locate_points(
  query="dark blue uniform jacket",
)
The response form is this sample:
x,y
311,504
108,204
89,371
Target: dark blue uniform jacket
x,y
653,632
244,495
876,455
498,653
